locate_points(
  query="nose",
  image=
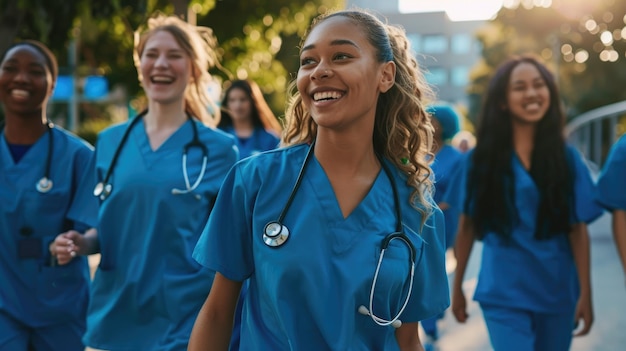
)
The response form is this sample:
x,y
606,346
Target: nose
x,y
531,91
21,76
161,61
321,72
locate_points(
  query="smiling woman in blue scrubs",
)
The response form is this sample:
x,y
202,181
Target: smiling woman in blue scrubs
x,y
612,195
354,173
42,304
158,177
525,194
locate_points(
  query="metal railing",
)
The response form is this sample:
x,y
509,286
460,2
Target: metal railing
x,y
594,132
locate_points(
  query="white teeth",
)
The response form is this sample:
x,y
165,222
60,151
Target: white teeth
x,y
326,95
161,79
18,93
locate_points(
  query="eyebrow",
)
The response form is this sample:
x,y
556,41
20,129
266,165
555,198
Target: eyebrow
x,y
30,64
166,50
332,43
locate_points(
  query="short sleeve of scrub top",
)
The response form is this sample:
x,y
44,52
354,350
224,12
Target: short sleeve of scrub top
x,y
611,192
586,210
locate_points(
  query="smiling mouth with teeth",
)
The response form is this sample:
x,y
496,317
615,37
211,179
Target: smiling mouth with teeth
x,y
327,95
18,93
161,80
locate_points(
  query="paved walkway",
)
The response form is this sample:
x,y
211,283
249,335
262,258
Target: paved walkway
x,y
609,295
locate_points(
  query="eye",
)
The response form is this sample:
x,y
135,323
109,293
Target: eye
x,y
342,56
8,68
306,61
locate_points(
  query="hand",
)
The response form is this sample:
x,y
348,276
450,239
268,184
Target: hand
x,y
584,311
459,306
66,246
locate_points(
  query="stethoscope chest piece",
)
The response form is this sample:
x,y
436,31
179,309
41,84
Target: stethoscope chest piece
x,y
102,190
275,234
44,185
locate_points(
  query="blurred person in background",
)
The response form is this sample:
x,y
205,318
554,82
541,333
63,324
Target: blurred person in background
x,y
525,193
611,193
246,115
42,304
447,159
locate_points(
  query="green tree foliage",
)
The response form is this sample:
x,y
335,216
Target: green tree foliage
x,y
258,38
590,66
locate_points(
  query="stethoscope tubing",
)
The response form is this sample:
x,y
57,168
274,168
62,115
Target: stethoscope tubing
x,y
45,184
275,234
104,188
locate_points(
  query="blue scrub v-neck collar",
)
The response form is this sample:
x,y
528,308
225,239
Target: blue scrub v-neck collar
x,y
363,214
174,143
30,157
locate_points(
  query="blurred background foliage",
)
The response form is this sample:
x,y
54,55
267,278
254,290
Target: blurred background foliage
x,y
582,41
258,40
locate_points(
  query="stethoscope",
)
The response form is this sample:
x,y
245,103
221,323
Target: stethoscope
x,y
45,184
104,188
275,234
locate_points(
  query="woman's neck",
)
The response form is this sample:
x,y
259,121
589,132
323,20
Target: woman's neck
x,y
346,155
164,117
162,121
524,142
243,127
24,131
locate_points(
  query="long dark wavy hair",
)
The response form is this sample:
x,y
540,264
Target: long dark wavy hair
x,y
491,183
261,114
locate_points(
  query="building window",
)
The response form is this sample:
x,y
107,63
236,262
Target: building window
x,y
460,76
434,44
415,41
461,43
437,76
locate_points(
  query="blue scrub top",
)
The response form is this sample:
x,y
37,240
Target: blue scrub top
x,y
305,294
35,291
526,273
259,141
148,290
446,163
610,187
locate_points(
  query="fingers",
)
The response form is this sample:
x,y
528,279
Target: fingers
x,y
586,327
63,248
460,315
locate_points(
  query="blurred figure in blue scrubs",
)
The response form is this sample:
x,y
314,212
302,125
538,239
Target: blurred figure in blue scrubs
x,y
42,304
612,196
247,116
158,176
337,232
446,162
525,193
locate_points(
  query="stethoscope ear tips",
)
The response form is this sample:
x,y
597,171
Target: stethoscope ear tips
x,y
364,310
396,323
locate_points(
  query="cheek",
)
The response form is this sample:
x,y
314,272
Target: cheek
x,y
302,84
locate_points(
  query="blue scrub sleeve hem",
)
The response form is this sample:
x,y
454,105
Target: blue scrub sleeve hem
x,y
215,268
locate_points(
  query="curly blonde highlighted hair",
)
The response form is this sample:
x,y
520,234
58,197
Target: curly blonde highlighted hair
x,y
200,44
403,132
